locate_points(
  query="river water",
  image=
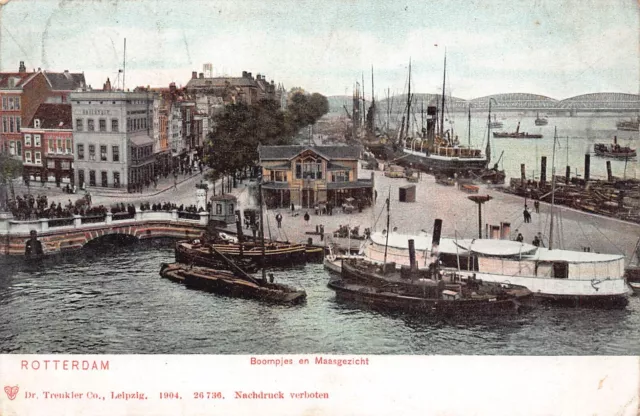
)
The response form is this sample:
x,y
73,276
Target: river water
x,y
576,136
111,299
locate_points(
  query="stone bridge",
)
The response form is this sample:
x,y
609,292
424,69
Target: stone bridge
x,y
65,234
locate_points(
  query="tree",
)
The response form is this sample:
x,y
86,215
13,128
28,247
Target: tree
x,y
10,169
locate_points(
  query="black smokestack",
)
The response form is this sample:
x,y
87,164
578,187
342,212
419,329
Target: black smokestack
x,y
435,243
412,255
587,167
431,122
543,170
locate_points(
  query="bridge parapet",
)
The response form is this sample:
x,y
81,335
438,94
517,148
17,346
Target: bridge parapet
x,y
10,226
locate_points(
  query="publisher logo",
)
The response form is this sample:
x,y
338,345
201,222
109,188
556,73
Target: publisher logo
x,y
12,391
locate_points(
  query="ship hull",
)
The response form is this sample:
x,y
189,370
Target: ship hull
x,y
440,164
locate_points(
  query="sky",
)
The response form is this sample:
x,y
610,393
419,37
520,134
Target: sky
x,y
555,48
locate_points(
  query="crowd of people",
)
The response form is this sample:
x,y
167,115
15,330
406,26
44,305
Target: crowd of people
x,y
169,206
29,207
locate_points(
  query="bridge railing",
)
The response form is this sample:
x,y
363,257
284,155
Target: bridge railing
x,y
13,227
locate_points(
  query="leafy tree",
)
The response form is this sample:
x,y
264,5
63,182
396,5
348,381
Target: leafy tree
x,y
10,168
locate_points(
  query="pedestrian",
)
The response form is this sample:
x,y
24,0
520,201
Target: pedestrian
x,y
520,238
306,217
293,208
526,214
536,206
536,241
279,220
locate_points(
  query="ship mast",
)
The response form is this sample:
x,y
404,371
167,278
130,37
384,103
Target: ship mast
x,y
409,101
262,254
444,80
553,186
386,243
469,137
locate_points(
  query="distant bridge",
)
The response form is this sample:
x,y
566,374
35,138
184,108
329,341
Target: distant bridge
x,y
66,234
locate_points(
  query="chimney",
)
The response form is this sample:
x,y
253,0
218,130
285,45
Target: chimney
x,y
201,75
244,74
543,170
194,74
23,68
495,232
587,167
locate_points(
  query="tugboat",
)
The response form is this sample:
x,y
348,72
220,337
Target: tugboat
x,y
424,291
516,135
614,150
541,121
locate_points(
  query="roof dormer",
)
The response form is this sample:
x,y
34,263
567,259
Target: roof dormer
x,y
36,123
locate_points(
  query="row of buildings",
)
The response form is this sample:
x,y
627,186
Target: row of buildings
x,y
66,132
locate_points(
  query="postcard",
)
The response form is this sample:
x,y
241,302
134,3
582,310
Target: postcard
x,y
319,208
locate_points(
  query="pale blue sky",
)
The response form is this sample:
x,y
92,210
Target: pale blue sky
x,y
554,48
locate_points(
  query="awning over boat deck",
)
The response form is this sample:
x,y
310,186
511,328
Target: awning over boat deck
x,y
503,248
421,242
544,254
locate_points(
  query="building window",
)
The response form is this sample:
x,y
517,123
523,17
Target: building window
x,y
92,178
36,123
18,124
51,164
102,124
51,146
103,154
218,209
116,179
17,101
230,209
92,152
80,152
12,148
27,157
298,170
105,182
11,124
65,164
36,140
79,124
10,103
27,140
18,148
311,169
5,124
37,158
68,149
90,125
59,148
81,177
114,124
340,176
115,151
4,103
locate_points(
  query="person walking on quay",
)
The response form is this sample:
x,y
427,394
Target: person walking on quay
x,y
526,214
520,238
536,206
279,220
536,241
306,217
293,208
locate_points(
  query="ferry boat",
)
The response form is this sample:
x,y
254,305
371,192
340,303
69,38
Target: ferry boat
x,y
515,135
558,275
614,150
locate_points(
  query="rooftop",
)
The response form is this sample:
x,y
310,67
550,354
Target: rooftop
x,y
53,116
65,81
326,152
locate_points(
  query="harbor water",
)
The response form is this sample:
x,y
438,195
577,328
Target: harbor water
x,y
576,136
111,299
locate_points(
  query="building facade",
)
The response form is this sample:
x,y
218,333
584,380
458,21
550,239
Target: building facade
x,y
20,95
48,146
113,138
307,176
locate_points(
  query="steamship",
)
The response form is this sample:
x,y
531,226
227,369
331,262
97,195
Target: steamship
x,y
563,276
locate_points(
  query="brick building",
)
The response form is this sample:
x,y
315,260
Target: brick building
x,y
48,145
